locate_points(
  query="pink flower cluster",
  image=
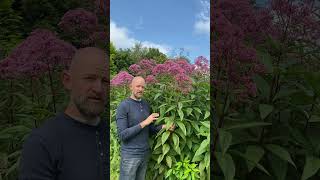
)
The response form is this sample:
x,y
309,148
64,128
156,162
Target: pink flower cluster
x,y
235,23
79,21
122,78
150,79
202,66
38,53
179,69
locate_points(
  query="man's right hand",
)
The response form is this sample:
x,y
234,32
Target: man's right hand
x,y
149,120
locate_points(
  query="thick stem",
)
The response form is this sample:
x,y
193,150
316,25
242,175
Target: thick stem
x,y
311,110
220,123
11,120
52,90
32,94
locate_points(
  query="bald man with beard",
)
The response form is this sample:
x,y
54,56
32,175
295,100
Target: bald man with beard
x,y
73,144
135,124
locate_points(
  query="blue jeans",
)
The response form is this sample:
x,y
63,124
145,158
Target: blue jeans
x,y
133,168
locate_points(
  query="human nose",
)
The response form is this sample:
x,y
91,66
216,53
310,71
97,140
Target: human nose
x,y
98,86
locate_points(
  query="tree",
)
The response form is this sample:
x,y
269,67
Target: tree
x,y
155,54
112,65
123,59
10,27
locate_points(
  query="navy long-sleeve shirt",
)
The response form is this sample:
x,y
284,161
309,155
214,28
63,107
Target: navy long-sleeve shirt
x,y
134,139
65,149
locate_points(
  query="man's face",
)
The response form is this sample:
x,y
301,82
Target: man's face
x,y
137,87
88,83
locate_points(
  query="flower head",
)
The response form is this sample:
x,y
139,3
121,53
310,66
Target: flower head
x,y
122,78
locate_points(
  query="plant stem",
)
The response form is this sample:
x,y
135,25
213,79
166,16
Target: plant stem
x,y
52,90
311,110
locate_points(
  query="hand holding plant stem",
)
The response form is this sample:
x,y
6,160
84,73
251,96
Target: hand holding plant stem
x,y
171,129
149,120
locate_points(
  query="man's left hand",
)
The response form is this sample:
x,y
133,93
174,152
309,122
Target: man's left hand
x,y
172,127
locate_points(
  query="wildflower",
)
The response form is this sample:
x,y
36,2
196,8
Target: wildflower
x,y
150,79
135,69
122,78
79,21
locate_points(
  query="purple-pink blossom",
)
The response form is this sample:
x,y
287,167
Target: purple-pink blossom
x,y
38,53
79,21
150,79
122,78
135,69
184,82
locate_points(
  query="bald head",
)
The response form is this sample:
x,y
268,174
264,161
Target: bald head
x,y
86,57
87,81
137,79
137,86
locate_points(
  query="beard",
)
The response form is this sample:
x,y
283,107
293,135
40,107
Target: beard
x,y
88,108
138,95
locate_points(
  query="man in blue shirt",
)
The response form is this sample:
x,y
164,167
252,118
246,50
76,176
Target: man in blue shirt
x,y
134,124
74,144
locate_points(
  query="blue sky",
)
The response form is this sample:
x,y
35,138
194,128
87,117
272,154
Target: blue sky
x,y
169,25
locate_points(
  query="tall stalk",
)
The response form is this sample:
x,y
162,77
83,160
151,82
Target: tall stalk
x,y
52,90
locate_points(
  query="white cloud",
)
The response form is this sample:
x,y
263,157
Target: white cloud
x,y
120,37
202,25
162,47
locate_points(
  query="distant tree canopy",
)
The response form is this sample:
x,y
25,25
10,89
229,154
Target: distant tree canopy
x,y
19,17
121,59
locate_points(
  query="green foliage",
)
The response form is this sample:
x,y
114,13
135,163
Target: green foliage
x,y
183,170
275,134
25,104
10,28
185,151
121,59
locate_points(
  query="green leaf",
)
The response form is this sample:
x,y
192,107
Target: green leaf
x,y
204,146
189,110
160,158
254,153
244,125
265,110
314,118
278,166
189,144
182,127
165,149
206,124
266,59
262,85
311,167
169,161
227,165
177,149
164,137
180,114
175,139
170,108
225,139
197,109
180,133
207,114
156,96
283,93
168,173
158,143
280,152
180,105
251,162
